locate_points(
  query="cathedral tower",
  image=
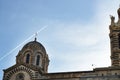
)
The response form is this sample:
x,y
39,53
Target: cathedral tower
x,y
115,40
31,62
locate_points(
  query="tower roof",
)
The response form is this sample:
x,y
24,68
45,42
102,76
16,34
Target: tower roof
x,y
34,45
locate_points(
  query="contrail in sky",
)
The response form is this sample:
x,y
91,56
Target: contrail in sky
x,y
23,42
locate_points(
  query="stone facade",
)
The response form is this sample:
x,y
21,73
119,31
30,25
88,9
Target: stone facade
x,y
115,40
32,62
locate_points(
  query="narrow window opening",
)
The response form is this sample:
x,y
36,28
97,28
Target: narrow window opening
x,y
115,73
38,60
102,74
27,58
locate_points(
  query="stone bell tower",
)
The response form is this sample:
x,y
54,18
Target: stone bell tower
x,y
115,40
31,62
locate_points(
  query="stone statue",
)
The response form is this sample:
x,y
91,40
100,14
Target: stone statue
x,y
118,13
112,19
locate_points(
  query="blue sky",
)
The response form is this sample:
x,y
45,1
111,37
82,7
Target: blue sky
x,y
76,35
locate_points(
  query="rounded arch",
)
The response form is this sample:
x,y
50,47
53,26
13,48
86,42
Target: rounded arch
x,y
27,51
27,56
40,52
11,73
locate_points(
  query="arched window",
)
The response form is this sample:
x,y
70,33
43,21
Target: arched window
x,y
20,76
38,60
115,73
28,58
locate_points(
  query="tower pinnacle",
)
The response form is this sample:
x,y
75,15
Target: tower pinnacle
x,y
118,11
36,36
115,40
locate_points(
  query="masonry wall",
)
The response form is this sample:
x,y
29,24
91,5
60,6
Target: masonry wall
x,y
107,73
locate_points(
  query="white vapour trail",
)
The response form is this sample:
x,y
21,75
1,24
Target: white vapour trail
x,y
22,43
